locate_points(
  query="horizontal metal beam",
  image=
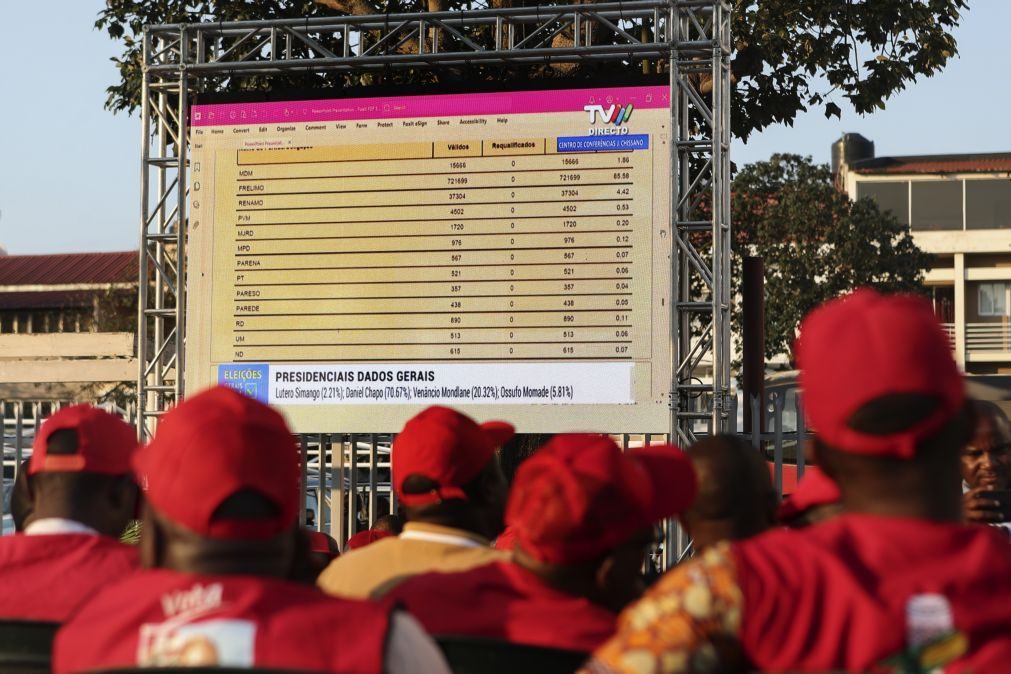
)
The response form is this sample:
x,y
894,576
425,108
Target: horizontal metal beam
x,y
357,42
611,10
541,55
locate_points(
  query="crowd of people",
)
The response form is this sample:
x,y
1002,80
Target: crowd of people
x,y
893,555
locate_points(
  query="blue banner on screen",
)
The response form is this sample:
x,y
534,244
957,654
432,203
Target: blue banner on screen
x,y
635,141
249,379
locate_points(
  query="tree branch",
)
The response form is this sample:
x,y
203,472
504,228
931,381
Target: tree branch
x,y
355,7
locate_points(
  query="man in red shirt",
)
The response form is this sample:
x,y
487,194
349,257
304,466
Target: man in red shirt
x,y
894,583
582,513
82,495
218,546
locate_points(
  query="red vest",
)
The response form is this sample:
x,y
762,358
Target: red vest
x,y
834,596
46,577
504,601
163,617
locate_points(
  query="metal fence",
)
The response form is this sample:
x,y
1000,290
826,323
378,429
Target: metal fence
x,y
346,478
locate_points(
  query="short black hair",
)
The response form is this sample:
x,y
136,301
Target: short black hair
x,y
738,478
892,413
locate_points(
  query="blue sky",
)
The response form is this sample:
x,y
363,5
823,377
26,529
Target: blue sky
x,y
69,170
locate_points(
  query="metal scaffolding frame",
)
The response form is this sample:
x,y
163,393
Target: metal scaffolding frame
x,y
692,36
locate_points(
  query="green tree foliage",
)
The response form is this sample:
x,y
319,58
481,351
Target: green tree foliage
x,y
862,50
816,244
789,54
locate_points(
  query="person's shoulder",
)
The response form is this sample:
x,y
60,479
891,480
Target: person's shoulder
x,y
367,557
358,572
295,604
288,592
85,548
442,582
14,546
798,554
134,589
717,561
990,542
115,549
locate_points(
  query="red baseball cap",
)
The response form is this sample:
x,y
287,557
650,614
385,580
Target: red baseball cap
x,y
580,496
858,348
363,538
211,446
105,443
815,489
321,543
506,540
447,447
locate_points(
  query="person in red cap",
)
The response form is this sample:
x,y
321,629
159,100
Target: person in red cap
x,y
219,545
583,516
449,482
322,550
367,537
894,583
82,495
506,540
815,499
736,499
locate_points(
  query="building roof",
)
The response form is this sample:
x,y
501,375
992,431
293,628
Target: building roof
x,y
68,269
995,162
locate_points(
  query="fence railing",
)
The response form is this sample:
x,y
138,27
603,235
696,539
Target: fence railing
x,y
346,478
983,337
949,329
988,336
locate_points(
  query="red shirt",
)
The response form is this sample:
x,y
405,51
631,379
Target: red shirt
x,y
503,601
46,577
850,594
162,617
834,596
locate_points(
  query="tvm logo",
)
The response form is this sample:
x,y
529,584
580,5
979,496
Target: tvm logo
x,y
613,114
617,115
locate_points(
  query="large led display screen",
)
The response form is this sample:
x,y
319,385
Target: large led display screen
x,y
507,253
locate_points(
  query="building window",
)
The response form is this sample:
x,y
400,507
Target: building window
x,y
993,299
937,205
890,196
988,204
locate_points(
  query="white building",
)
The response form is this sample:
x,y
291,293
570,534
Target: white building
x,y
958,208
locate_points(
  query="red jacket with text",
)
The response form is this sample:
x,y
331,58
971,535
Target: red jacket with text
x,y
853,592
163,618
46,577
503,601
